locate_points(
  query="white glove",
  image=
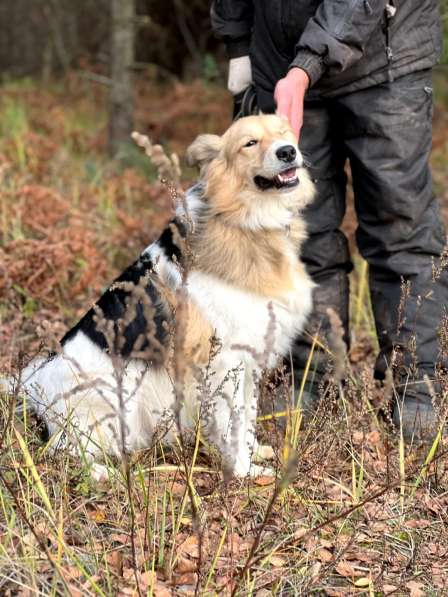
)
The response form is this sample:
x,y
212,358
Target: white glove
x,y
240,74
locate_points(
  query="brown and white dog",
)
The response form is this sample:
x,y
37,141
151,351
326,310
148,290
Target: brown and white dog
x,y
244,286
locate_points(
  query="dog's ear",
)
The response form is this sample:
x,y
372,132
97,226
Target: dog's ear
x,y
203,150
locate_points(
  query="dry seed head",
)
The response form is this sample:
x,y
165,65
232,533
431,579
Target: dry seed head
x,y
167,167
437,269
443,335
405,293
388,386
337,344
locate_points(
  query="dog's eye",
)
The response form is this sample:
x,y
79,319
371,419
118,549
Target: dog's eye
x,y
251,143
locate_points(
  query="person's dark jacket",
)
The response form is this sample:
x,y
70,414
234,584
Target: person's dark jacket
x,y
343,45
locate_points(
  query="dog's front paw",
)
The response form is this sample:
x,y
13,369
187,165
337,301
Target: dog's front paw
x,y
99,472
243,466
263,452
249,469
257,470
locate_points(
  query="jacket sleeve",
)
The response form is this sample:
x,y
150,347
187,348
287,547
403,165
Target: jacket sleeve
x,y
232,20
336,36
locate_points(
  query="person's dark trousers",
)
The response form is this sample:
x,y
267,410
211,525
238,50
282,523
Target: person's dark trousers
x,y
385,132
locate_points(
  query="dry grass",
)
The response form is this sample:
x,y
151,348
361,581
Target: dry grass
x,y
359,513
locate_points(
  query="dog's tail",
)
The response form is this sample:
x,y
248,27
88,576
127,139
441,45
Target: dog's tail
x,y
21,388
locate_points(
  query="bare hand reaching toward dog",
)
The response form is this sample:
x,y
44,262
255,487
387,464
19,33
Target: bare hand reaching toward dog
x,y
289,95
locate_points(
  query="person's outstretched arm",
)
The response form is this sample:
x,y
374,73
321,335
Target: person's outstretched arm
x,y
334,39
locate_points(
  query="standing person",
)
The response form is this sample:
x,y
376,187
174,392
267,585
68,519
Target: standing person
x,y
354,79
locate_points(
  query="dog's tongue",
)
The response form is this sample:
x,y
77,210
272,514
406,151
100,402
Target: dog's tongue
x,y
286,175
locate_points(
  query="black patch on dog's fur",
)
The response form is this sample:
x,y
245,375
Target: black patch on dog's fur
x,y
113,305
168,243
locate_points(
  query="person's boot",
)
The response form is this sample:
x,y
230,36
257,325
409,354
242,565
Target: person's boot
x,y
413,411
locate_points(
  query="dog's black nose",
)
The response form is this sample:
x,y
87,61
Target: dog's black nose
x,y
286,153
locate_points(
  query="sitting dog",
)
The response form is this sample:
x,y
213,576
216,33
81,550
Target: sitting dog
x,y
186,331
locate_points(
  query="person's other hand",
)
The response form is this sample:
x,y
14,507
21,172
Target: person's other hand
x,y
240,74
289,94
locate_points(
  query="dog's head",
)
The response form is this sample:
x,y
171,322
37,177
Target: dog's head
x,y
254,170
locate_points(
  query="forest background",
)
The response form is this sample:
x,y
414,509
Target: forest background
x,y
362,514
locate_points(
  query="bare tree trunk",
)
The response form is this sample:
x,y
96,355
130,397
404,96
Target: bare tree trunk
x,y
122,58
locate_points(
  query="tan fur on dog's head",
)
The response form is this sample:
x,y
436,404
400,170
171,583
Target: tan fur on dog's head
x,y
203,150
244,178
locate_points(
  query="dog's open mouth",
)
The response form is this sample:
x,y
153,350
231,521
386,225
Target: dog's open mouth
x,y
283,180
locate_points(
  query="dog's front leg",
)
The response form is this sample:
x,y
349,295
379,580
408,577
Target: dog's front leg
x,y
251,398
232,418
227,422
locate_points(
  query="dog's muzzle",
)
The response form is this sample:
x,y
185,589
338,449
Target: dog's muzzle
x,y
285,179
283,160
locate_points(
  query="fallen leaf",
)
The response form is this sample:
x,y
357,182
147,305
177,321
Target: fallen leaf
x,y
189,578
97,515
74,591
359,352
362,582
345,569
358,437
343,540
264,480
190,547
120,538
29,540
147,579
389,589
115,561
234,542
299,533
71,572
324,555
277,561
311,543
433,504
128,573
327,543
414,523
369,556
127,592
187,522
373,437
178,488
315,570
185,565
415,588
245,545
25,592
161,590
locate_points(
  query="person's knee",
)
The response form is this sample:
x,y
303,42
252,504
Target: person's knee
x,y
326,253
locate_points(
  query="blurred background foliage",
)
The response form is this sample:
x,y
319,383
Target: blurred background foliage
x,y
49,36
444,12
44,37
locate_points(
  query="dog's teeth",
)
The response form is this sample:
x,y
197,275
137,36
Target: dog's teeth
x,y
287,175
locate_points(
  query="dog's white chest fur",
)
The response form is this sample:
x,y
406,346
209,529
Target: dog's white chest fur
x,y
261,325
